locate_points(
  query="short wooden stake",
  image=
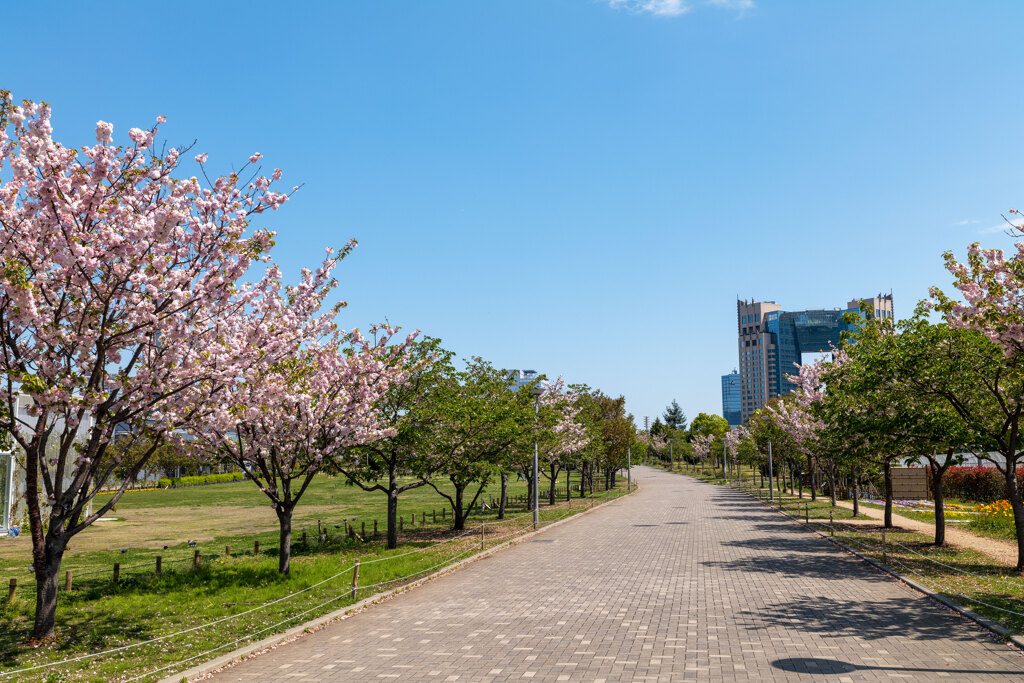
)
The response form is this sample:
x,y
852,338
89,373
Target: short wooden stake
x,y
117,571
807,513
375,528
195,559
227,550
363,534
831,529
67,581
159,566
481,535
884,558
412,519
303,536
10,590
444,513
355,579
435,516
401,522
256,547
423,519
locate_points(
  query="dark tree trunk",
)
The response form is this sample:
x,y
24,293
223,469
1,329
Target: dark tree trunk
x,y
887,470
568,484
503,501
284,545
940,508
855,489
458,513
811,476
1013,495
553,482
392,540
47,569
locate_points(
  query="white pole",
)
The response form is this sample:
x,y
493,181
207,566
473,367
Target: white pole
x,y
629,465
771,485
725,461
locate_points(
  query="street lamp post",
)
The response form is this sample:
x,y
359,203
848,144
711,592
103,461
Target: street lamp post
x,y
771,486
629,468
671,457
725,461
537,391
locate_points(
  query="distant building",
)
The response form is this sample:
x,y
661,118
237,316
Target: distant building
x,y
772,341
731,399
521,378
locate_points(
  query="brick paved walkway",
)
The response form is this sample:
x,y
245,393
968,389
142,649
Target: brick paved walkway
x,y
681,581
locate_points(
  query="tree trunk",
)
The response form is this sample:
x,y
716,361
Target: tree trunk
x,y
504,495
554,482
1013,495
800,484
47,570
940,508
811,475
854,488
568,485
459,514
392,541
284,545
887,470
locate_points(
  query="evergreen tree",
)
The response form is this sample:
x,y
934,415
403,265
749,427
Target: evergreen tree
x,y
674,416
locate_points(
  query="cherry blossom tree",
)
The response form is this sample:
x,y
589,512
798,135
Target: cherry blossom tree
x,y
118,282
561,433
289,414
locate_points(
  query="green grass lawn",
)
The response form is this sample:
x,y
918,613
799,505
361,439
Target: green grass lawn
x,y
98,614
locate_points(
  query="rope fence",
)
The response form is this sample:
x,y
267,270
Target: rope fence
x,y
344,592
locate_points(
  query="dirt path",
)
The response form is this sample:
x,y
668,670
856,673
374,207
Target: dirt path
x,y
1003,551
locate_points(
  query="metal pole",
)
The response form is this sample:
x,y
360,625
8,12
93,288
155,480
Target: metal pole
x,y
725,462
671,457
536,474
629,465
771,487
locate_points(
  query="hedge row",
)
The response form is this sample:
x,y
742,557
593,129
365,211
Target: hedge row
x,y
978,484
199,480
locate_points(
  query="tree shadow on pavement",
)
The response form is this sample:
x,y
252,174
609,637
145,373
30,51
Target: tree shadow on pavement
x,y
795,559
895,617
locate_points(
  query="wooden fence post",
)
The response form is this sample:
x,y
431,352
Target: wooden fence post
x,y
10,590
227,550
303,537
375,528
401,522
885,560
195,559
256,547
481,535
423,520
117,571
67,581
355,579
831,529
363,534
159,566
435,516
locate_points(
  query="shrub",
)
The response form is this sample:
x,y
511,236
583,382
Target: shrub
x,y
980,484
199,480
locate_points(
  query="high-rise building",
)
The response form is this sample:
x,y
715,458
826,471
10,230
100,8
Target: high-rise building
x,y
521,378
731,399
772,343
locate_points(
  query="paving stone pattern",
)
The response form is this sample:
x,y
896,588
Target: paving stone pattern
x,y
680,581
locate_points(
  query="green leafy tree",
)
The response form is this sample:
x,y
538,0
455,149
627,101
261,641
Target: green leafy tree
x,y
675,418
394,465
477,418
708,425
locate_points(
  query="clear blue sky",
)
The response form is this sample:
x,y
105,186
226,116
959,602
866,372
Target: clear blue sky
x,y
581,187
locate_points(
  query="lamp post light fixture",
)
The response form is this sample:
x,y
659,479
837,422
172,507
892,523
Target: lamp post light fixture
x,y
537,391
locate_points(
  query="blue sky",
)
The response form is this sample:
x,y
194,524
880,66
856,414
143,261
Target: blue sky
x,y
581,187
